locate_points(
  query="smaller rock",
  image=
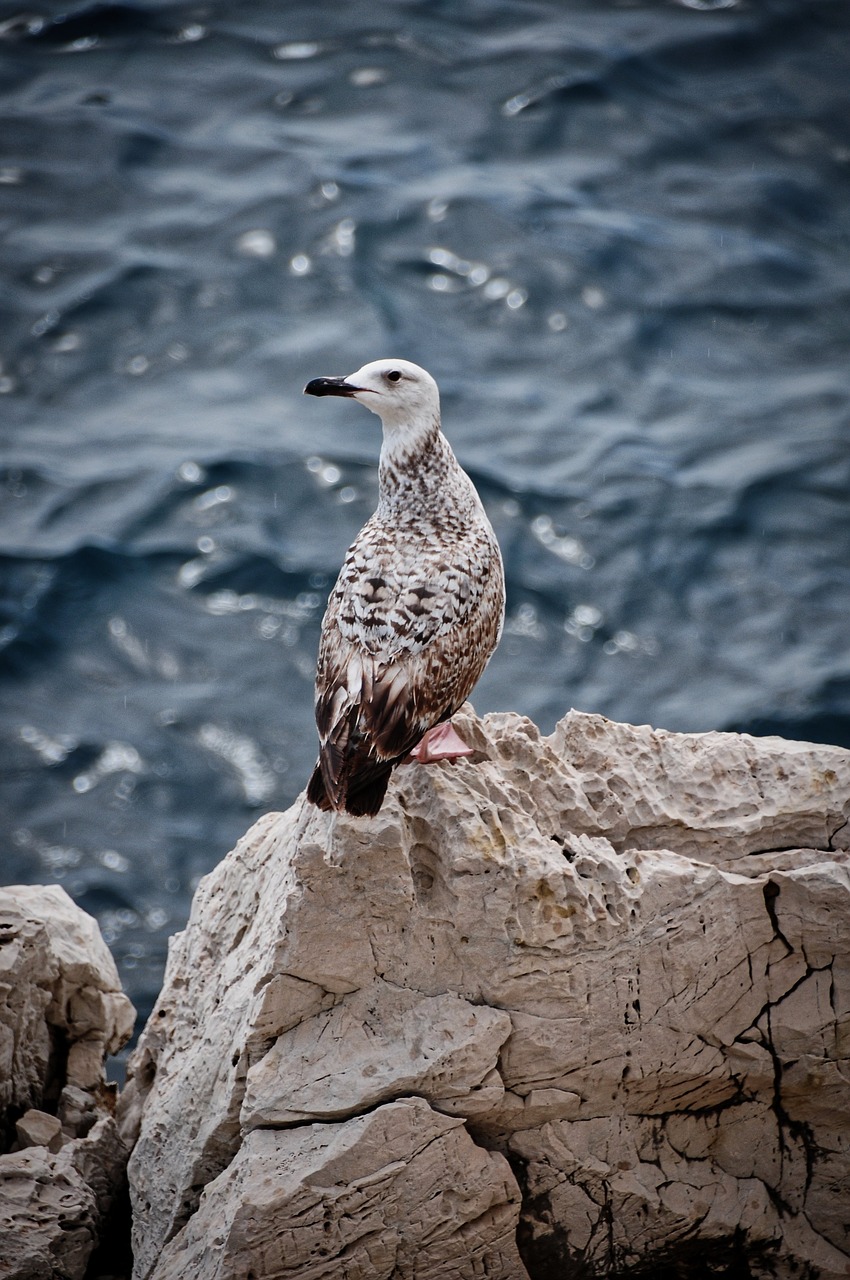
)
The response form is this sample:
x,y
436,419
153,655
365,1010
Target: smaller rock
x,y
77,1110
62,1012
38,1129
53,1206
85,1063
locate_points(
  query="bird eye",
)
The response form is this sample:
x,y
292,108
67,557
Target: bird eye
x,y
393,375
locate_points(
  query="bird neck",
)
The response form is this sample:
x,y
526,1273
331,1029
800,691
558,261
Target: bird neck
x,y
416,464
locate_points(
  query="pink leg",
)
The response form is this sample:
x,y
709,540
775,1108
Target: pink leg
x,y
440,743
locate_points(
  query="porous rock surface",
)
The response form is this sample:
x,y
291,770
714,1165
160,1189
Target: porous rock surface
x,y
594,986
61,1012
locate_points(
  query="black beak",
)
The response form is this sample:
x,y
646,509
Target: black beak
x,y
330,387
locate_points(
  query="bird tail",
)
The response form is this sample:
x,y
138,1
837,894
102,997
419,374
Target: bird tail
x,y
362,797
316,792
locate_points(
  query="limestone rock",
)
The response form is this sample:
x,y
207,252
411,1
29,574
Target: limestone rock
x,y
721,797
52,1206
400,1191
61,1012
59,989
39,1129
389,1042
616,955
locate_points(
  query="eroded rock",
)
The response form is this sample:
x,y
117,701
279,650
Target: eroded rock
x,y
39,1129
61,1012
618,956
400,1191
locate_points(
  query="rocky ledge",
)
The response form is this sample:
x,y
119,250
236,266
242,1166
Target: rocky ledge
x,y
577,1006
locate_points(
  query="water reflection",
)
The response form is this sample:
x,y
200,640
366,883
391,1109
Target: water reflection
x,y
244,757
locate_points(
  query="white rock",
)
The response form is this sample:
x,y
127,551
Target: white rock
x,y
582,947
39,1129
61,1011
52,1206
388,1042
401,1191
717,796
57,977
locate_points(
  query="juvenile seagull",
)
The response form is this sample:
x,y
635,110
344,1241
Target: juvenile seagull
x,y
418,606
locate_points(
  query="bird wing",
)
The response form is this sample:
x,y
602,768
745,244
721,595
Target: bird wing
x,y
405,637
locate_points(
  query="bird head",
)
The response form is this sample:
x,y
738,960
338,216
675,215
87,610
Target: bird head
x,y
399,392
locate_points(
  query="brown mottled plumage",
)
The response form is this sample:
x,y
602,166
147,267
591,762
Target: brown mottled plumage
x,y
418,606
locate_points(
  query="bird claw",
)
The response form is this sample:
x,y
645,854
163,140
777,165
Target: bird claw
x,y
440,743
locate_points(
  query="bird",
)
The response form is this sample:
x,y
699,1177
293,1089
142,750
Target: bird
x,y
418,608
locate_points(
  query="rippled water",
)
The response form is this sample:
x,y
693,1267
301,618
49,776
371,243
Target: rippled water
x,y
617,234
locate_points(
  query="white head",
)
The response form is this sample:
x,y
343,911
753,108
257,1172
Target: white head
x,y
402,394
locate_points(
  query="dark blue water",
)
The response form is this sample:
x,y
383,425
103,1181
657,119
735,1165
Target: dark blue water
x,y
619,236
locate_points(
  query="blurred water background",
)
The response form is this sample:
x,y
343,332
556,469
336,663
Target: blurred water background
x,y
619,236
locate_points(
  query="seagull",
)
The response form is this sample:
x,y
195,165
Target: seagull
x,y
417,609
